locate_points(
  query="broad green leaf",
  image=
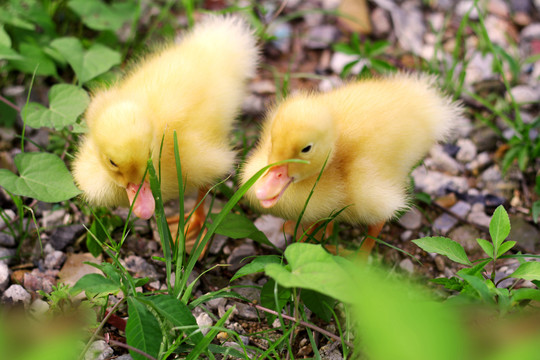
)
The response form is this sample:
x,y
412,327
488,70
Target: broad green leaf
x,y
453,283
43,176
98,15
7,53
344,48
33,58
268,298
525,294
95,284
320,304
87,64
257,265
177,313
499,226
523,158
142,330
479,285
9,114
66,103
5,40
528,271
444,246
505,246
486,246
239,227
535,211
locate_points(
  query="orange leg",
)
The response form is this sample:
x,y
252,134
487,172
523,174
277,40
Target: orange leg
x,y
289,227
368,244
193,226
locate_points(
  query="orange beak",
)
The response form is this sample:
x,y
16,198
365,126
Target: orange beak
x,y
144,204
271,186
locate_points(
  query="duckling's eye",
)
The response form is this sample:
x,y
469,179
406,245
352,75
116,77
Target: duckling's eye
x,y
112,163
307,149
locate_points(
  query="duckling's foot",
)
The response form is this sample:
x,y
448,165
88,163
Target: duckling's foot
x,y
193,226
368,244
313,230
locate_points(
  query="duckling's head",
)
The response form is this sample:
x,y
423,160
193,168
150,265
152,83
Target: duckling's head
x,y
301,128
122,137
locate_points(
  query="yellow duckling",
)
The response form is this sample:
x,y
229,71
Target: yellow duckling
x,y
194,87
372,132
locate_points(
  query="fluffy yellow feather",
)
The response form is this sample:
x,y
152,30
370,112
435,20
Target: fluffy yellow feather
x,y
372,132
194,87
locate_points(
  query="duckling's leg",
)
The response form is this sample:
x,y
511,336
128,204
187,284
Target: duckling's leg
x,y
194,224
373,232
312,230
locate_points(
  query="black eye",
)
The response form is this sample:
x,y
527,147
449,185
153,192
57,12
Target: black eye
x,y
112,163
307,149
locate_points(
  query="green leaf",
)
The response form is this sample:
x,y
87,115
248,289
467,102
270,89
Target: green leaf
x,y
66,101
453,283
142,330
5,40
257,265
320,304
34,58
525,294
7,53
238,226
95,284
479,285
499,226
43,176
268,299
535,211
87,64
93,246
486,246
528,271
378,47
444,246
98,15
523,158
344,48
505,246
9,114
175,311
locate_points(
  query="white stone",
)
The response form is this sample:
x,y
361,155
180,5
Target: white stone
x,y
340,60
15,294
205,322
467,150
99,350
4,276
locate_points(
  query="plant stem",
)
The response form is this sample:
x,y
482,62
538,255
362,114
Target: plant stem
x,y
10,104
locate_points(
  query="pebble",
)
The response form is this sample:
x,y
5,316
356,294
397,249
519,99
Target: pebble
x,y
124,357
479,68
4,276
411,220
63,236
478,216
444,223
480,162
217,244
436,183
320,37
53,218
530,32
272,226
39,308
239,253
7,256
461,208
381,22
54,260
441,161
467,150
466,235
252,105
485,139
463,8
99,350
407,265
492,174
16,294
139,267
37,280
525,94
7,240
340,60
205,322
499,8
406,235
526,235
282,33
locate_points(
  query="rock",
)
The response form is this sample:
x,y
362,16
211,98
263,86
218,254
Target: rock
x,y
521,6
272,227
406,235
478,216
463,8
437,184
357,19
16,294
466,235
330,352
340,60
461,209
217,244
492,175
7,240
124,357
499,8
330,83
526,235
498,29
4,276
216,303
485,139
444,223
441,161
381,22
407,265
7,256
480,162
239,253
75,268
530,32
263,87
205,322
39,308
282,33
467,150
411,220
479,68
252,105
99,350
66,235
320,37
525,94
37,280
53,218
54,260
139,267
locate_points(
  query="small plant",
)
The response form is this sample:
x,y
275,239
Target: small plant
x,y
368,54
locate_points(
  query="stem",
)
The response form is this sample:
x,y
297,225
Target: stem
x,y
10,104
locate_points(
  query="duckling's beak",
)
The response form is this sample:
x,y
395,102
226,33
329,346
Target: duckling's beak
x,y
144,204
272,185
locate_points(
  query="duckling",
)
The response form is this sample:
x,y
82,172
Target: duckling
x,y
195,88
370,133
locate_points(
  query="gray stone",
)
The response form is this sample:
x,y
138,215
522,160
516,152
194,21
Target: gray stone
x,y
263,87
272,227
492,175
497,29
4,276
520,5
436,183
381,22
124,357
16,294
217,244
485,139
139,267
39,308
7,256
441,161
215,304
499,8
530,32
467,150
411,220
53,218
525,94
239,253
407,265
252,105
340,60
205,322
479,68
478,216
525,234
7,240
481,161
99,350
282,33
37,280
461,208
66,235
466,235
444,223
464,6
406,235
54,260
321,37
